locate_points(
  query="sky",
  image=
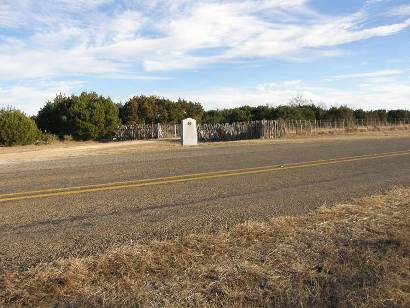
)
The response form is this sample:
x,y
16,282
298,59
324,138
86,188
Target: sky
x,y
222,54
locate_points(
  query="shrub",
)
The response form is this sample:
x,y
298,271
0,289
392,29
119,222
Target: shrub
x,y
16,128
129,112
398,115
55,117
154,109
214,117
87,116
340,113
93,117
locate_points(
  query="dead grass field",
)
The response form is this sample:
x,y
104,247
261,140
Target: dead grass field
x,y
353,254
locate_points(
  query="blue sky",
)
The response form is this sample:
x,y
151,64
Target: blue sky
x,y
220,53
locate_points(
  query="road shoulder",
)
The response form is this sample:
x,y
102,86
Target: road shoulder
x,y
21,154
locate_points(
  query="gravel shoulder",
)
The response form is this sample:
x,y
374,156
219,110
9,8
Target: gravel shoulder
x,y
36,153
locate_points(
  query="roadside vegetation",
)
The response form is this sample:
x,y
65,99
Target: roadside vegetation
x,y
84,117
300,108
354,254
16,128
90,116
152,109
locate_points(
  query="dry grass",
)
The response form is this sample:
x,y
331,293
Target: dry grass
x,y
355,254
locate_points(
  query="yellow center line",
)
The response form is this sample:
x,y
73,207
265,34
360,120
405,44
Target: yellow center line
x,y
188,177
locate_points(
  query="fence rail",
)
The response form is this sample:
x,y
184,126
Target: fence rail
x,y
230,131
148,131
267,129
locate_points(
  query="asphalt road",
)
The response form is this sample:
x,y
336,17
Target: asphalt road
x,y
82,206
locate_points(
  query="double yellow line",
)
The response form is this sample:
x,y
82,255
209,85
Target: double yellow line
x,y
35,194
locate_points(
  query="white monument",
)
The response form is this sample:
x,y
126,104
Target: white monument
x,y
189,132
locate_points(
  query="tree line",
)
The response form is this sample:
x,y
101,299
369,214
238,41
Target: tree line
x,y
301,109
90,116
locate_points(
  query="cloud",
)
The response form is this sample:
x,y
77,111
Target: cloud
x,y
84,37
384,95
402,10
226,32
377,94
377,74
372,2
31,98
137,40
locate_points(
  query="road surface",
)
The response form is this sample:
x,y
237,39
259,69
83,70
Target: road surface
x,y
83,205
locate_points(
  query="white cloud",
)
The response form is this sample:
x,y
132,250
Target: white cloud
x,y
384,95
61,39
372,2
233,32
42,64
31,98
402,10
377,74
377,94
80,37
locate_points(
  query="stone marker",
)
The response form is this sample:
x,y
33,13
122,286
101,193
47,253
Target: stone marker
x,y
189,133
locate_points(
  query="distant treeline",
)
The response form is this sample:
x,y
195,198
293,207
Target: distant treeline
x,y
92,116
309,112
152,109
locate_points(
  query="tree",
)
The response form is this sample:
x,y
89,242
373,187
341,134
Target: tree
x,y
398,115
87,116
192,110
261,113
380,115
242,114
213,117
94,117
339,113
55,116
16,128
129,112
359,114
154,109
315,112
177,111
289,113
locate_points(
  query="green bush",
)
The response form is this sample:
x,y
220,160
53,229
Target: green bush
x,y
340,113
16,128
154,109
85,117
55,117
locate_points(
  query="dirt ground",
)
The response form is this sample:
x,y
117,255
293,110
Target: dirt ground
x,y
61,150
